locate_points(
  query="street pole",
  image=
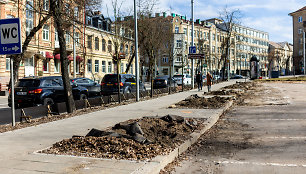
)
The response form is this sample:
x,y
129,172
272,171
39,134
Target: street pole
x,y
304,51
74,55
12,92
136,52
240,64
192,44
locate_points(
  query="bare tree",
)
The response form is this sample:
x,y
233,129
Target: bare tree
x,y
230,19
64,16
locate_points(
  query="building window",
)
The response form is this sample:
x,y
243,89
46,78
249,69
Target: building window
x,y
7,64
213,49
165,59
131,49
67,37
179,43
96,43
77,38
300,31
103,66
88,20
56,65
301,41
176,29
103,45
179,59
126,49
46,5
109,67
96,65
89,65
213,37
29,16
56,36
300,52
121,48
77,68
109,46
122,67
46,33
46,65
300,19
89,42
185,31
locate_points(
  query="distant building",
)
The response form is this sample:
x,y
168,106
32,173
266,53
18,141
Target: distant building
x,y
281,57
299,27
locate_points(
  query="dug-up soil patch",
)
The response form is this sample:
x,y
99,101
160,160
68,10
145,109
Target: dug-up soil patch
x,y
225,92
138,139
197,102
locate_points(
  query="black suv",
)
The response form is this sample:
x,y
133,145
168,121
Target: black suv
x,y
109,84
35,91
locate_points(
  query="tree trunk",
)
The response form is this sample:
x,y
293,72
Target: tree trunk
x,y
55,5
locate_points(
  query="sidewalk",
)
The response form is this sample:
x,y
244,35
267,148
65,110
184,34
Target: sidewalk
x,y
17,148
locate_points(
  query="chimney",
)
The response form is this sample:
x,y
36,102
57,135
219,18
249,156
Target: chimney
x,y
164,14
198,21
173,14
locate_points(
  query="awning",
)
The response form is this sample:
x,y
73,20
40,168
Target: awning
x,y
79,58
70,58
57,56
49,56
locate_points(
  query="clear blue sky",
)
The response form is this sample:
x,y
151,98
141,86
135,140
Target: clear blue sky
x,y
267,15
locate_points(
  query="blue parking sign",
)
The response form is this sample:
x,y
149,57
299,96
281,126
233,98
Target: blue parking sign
x,y
192,50
10,38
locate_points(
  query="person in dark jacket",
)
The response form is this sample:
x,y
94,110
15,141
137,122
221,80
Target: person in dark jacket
x,y
199,80
209,81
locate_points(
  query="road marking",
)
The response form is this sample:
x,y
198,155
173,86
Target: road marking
x,y
260,164
186,112
268,119
285,137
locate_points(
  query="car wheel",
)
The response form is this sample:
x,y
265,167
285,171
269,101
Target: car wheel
x,y
48,101
83,97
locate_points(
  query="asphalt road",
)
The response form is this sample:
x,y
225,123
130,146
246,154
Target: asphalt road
x,y
3,102
267,138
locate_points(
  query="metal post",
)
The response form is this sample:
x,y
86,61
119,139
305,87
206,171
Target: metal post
x,y
192,44
74,54
304,51
12,92
240,64
136,52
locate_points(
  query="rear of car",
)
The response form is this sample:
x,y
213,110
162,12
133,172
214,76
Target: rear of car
x,y
43,91
162,82
186,79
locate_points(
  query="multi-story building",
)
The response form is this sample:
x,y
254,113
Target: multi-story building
x,y
280,57
299,29
93,44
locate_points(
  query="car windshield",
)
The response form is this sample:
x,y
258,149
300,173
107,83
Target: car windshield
x,y
110,78
28,83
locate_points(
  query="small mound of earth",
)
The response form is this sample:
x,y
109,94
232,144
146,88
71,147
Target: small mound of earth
x,y
224,92
241,85
140,139
197,102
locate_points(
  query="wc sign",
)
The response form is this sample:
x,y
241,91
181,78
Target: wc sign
x,y
10,38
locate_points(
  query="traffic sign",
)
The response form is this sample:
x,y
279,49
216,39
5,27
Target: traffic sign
x,y
196,56
10,39
192,50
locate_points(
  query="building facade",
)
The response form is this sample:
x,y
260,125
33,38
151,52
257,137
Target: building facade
x,y
92,37
299,29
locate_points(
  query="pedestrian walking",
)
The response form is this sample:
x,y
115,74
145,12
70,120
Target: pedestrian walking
x,y
199,80
209,81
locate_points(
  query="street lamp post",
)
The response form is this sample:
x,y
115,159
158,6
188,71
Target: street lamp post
x,y
304,50
136,52
192,44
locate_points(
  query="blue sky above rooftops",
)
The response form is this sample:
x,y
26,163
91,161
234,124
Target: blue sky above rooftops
x,y
266,15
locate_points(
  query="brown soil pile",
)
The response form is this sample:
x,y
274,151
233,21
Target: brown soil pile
x,y
161,135
197,102
224,92
241,85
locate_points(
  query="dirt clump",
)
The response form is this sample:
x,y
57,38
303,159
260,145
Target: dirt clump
x,y
197,102
138,139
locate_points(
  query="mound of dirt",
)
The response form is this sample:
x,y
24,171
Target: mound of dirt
x,y
224,92
197,102
139,139
241,85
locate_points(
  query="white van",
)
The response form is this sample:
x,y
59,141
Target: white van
x,y
186,78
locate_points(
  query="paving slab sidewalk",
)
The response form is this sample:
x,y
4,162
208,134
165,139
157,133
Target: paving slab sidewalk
x,y
18,148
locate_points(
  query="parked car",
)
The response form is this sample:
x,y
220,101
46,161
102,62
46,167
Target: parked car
x,y
237,77
109,84
217,77
186,78
163,82
35,91
94,88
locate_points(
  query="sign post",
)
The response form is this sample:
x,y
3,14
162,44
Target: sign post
x,y
10,43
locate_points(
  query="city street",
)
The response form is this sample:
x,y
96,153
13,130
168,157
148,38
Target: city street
x,y
3,102
266,136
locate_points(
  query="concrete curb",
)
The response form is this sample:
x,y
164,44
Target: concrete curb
x,y
161,161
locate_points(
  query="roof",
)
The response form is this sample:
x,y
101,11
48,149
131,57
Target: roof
x,y
302,9
274,44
